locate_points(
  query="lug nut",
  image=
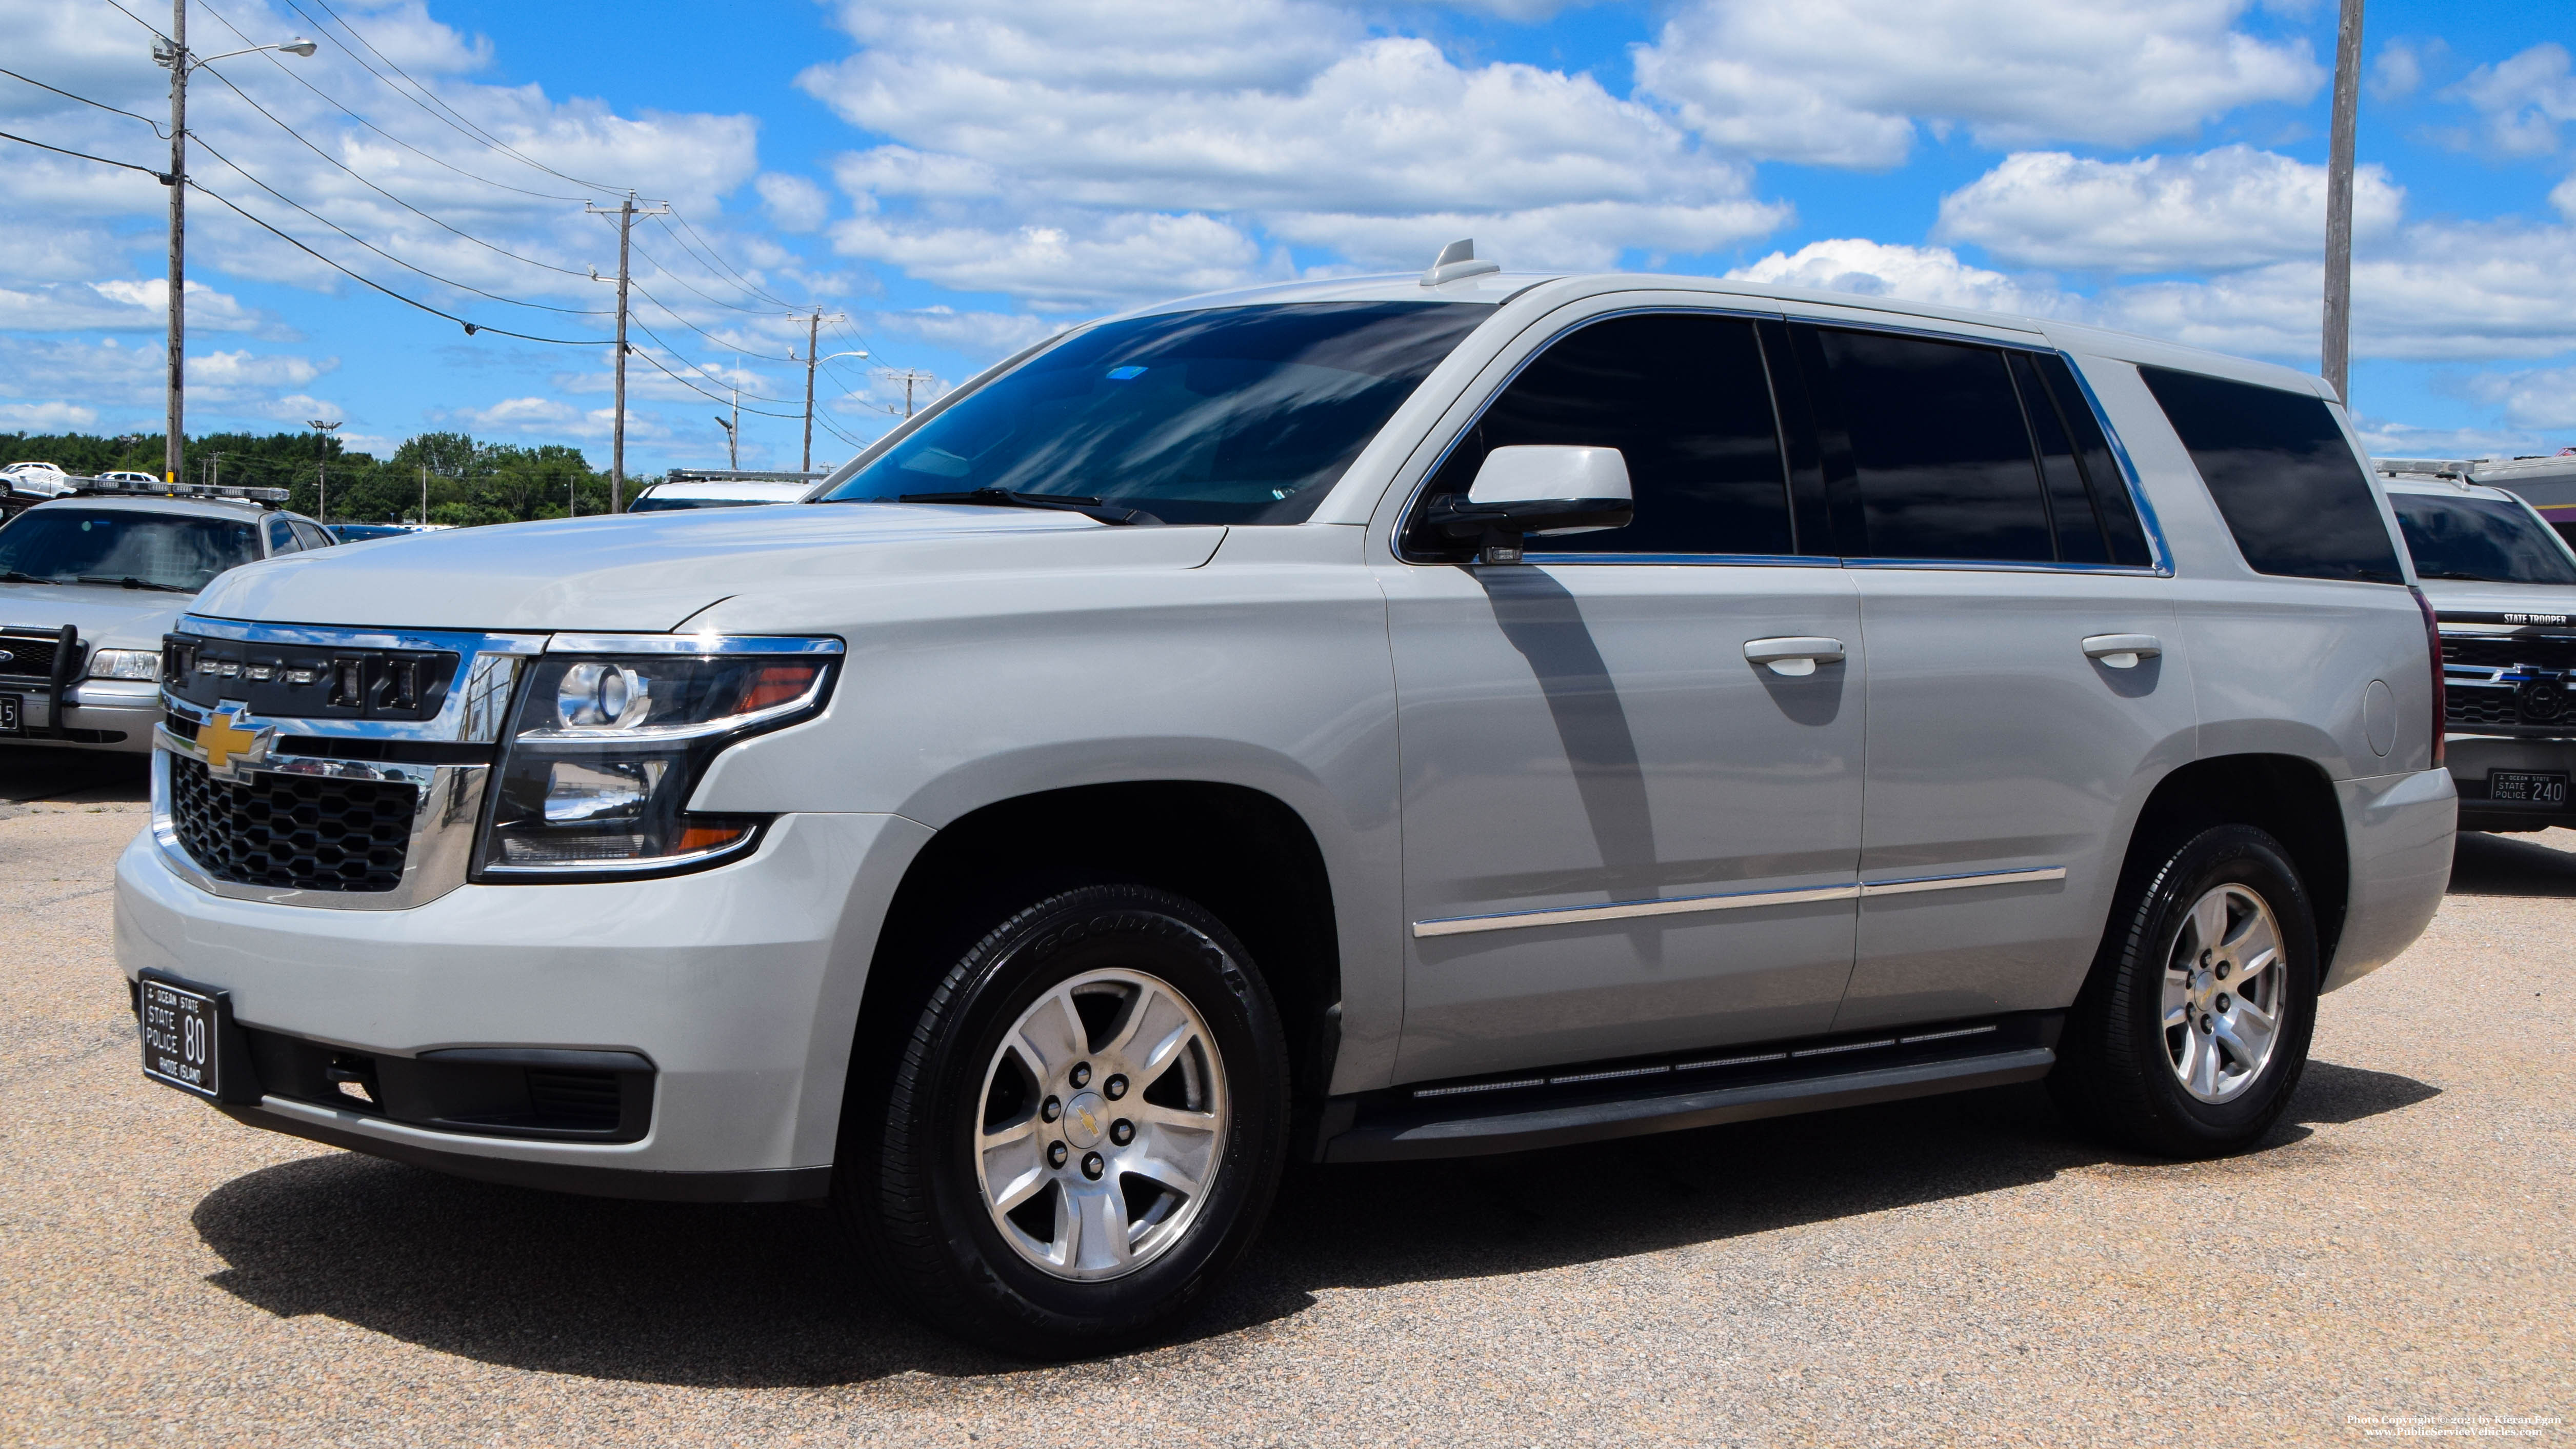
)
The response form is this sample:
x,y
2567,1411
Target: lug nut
x,y
2222,970
1080,1074
2222,1001
1056,1154
1051,1110
1122,1131
1114,1088
1092,1165
2204,958
2208,1024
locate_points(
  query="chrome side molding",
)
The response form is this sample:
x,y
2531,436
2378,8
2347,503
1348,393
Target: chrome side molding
x,y
1734,901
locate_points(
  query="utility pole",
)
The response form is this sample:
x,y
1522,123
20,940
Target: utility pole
x,y
321,478
625,214
812,361
175,451
172,50
908,377
2347,103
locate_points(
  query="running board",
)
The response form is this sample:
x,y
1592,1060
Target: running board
x,y
1410,1123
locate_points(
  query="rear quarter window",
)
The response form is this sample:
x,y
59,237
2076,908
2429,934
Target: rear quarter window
x,y
2295,497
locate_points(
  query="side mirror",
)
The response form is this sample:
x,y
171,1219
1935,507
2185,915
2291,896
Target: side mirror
x,y
1536,490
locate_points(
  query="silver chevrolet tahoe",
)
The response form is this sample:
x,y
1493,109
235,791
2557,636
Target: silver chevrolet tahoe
x,y
2503,584
1348,721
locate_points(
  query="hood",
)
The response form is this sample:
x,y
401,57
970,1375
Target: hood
x,y
649,572
2456,599
107,615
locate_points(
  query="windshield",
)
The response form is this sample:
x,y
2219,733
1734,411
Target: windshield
x,y
68,545
1231,415
2484,539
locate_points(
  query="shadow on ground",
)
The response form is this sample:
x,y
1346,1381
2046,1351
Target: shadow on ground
x,y
763,1296
2538,864
84,777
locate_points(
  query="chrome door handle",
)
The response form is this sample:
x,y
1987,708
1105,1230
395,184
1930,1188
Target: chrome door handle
x,y
1795,655
2123,651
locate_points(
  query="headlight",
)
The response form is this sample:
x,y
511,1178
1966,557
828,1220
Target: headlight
x,y
125,664
604,750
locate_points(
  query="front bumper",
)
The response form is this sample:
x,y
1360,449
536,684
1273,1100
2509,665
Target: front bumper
x,y
739,985
2471,756
100,714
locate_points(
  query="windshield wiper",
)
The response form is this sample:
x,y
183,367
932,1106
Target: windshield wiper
x,y
12,576
1064,502
132,582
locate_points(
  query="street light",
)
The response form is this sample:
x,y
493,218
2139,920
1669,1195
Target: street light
x,y
172,50
812,362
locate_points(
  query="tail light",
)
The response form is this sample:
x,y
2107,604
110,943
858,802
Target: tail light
x,y
2433,648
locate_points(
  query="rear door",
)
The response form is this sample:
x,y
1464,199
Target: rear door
x,y
2023,685
1621,836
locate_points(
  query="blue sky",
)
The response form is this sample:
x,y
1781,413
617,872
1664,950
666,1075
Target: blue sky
x,y
957,177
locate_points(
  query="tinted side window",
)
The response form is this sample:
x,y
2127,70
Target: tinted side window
x,y
1940,456
311,535
2070,502
282,539
2102,476
2283,476
1685,400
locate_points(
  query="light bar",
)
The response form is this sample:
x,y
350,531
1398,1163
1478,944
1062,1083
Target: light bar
x,y
185,490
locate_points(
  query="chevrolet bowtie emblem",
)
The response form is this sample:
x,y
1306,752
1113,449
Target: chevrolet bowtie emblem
x,y
223,741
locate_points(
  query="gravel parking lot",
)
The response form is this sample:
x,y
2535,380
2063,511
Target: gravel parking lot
x,y
1956,1271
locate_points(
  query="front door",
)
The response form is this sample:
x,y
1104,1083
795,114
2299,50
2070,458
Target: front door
x,y
1623,836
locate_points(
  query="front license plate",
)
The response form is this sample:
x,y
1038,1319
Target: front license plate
x,y
179,1036
2528,787
13,714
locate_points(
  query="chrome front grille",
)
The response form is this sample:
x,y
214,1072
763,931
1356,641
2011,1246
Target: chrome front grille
x,y
295,832
295,795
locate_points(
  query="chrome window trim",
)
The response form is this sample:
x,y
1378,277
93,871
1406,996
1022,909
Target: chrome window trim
x,y
2161,565
1691,560
690,644
1731,901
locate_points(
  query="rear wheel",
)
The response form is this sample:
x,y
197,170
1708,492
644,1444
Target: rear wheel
x,y
2190,1037
1084,1128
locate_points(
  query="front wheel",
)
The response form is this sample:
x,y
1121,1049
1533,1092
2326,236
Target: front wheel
x,y
1085,1127
2191,1035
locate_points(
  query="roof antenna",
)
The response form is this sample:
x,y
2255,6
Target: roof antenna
x,y
1458,259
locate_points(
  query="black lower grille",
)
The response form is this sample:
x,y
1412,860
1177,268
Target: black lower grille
x,y
2504,651
574,1099
304,832
2479,706
29,656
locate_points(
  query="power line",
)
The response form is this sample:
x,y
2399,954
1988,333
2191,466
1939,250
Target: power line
x,y
720,264
363,181
161,176
380,251
86,101
471,328
711,301
433,104
701,331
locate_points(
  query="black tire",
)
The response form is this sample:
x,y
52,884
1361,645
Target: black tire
x,y
2115,1073
909,1187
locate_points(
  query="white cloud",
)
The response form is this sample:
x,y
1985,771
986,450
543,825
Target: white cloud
x,y
122,306
2231,207
236,386
1914,274
48,417
2564,198
2522,101
1093,153
794,203
2387,438
2540,398
1846,82
982,335
2397,73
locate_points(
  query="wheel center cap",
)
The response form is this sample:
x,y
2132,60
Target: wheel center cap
x,y
1086,1120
